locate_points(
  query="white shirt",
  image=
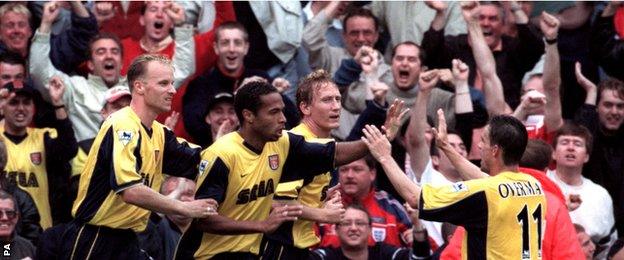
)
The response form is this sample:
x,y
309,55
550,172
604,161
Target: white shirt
x,y
595,213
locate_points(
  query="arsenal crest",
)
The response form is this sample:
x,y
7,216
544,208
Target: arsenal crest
x,y
274,161
35,158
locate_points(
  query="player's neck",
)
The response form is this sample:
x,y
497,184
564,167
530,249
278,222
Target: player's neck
x,y
316,129
355,253
251,138
496,169
570,175
146,115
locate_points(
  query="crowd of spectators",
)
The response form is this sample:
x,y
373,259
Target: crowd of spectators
x,y
555,66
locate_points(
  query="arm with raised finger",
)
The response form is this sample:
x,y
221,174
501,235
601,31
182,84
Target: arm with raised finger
x,y
466,169
380,148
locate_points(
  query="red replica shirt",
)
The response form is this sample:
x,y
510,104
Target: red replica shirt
x,y
389,221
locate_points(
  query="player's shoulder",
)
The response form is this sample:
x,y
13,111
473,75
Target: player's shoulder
x,y
124,118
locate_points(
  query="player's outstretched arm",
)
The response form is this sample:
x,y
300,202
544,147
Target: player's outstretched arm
x,y
379,147
144,197
223,225
466,169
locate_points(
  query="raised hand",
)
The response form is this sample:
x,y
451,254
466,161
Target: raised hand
x,y
394,118
226,127
460,71
281,84
56,89
377,143
428,80
366,56
332,191
280,214
51,11
103,11
379,90
470,11
549,25
172,120
5,96
582,80
440,133
176,13
438,6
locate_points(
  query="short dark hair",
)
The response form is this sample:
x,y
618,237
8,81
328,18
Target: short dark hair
x,y
501,9
102,36
231,25
12,58
138,67
611,84
537,155
7,196
354,11
248,97
310,84
573,129
360,207
510,135
421,51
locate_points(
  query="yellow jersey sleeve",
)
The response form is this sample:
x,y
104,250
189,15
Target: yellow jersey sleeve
x,y
451,203
126,157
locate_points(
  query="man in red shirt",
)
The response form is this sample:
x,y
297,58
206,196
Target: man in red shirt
x,y
390,222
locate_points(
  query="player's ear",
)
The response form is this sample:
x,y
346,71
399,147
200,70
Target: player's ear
x,y
305,108
248,116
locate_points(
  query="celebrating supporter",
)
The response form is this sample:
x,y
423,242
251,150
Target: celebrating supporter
x,y
36,156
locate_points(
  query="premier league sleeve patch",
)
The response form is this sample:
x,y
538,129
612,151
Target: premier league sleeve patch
x,y
124,136
202,167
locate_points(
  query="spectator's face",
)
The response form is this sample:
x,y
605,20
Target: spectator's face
x,y
354,229
106,60
587,245
11,73
491,24
231,49
219,113
458,144
156,87
15,31
534,83
269,120
610,110
485,147
406,65
324,111
112,107
19,111
359,31
180,189
156,21
570,151
356,179
8,219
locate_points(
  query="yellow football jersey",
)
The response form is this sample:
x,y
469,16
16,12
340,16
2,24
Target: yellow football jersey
x,y
26,165
243,180
504,215
126,153
310,192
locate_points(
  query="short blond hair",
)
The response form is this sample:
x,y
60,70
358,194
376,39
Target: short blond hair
x,y
16,8
138,68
